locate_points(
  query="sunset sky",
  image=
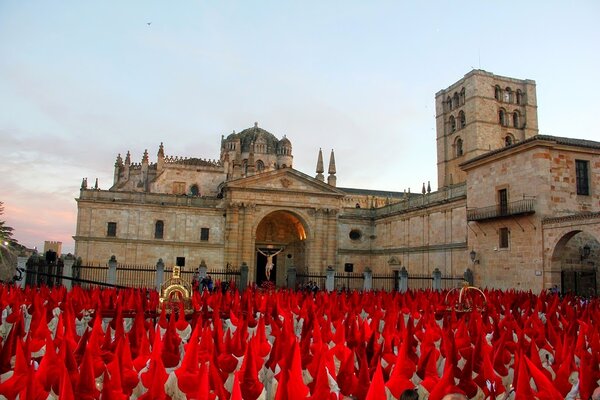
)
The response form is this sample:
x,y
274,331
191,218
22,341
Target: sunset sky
x,y
81,81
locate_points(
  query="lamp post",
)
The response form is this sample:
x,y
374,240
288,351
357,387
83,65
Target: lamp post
x,y
584,252
473,256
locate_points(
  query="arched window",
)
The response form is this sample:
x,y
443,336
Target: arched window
x,y
462,119
519,96
516,119
455,100
452,124
508,95
509,140
462,97
502,117
498,93
449,103
260,166
194,191
159,228
458,147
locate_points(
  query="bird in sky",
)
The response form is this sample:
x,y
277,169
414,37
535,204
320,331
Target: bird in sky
x,y
148,23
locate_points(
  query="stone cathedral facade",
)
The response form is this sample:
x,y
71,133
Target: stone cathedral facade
x,y
518,208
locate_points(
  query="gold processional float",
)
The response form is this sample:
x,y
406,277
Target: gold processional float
x,y
470,298
175,293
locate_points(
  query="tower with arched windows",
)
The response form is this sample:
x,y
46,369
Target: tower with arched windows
x,y
479,113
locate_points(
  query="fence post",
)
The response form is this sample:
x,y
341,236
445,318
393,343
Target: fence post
x,y
437,279
112,270
403,284
330,279
468,276
368,279
160,273
68,271
291,277
243,276
202,271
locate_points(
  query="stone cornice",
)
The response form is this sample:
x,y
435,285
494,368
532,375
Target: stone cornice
x,y
573,217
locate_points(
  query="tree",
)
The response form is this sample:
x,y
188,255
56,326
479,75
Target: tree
x,y
5,230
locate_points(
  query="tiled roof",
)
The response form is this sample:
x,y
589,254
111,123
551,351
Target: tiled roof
x,y
590,144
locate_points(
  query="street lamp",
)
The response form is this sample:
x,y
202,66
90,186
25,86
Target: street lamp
x,y
584,252
473,255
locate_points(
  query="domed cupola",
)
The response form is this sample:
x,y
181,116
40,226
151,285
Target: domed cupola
x,y
284,153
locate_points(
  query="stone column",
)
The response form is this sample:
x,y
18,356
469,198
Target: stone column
x,y
202,270
67,280
160,273
437,279
403,284
112,270
22,266
243,277
291,278
368,279
330,279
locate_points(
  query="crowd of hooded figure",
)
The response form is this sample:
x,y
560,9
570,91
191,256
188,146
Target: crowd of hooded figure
x,y
281,344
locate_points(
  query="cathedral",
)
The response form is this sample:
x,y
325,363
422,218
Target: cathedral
x,y
520,209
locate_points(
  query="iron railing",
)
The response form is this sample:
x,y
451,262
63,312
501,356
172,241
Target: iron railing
x,y
514,208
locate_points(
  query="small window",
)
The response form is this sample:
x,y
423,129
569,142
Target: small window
x,y
509,140
504,238
502,117
355,234
458,147
178,187
503,201
519,96
194,190
452,124
516,119
260,166
111,229
508,95
204,234
455,100
498,93
449,103
180,261
462,97
582,177
159,227
462,119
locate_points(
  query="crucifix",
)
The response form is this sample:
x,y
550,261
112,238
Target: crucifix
x,y
269,254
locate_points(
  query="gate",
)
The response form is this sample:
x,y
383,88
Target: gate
x,y
579,282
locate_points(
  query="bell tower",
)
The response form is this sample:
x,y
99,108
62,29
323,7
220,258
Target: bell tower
x,y
480,113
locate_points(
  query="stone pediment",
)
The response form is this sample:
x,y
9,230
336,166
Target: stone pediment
x,y
284,180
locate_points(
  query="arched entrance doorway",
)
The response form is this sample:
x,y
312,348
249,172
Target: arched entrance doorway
x,y
576,255
280,244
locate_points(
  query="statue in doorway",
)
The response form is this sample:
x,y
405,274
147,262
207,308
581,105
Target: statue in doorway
x,y
269,266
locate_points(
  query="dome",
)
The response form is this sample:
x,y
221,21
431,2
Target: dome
x,y
285,142
253,134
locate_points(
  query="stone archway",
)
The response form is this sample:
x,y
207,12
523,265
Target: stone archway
x,y
574,263
280,235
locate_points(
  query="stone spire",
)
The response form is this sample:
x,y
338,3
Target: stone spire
x,y
331,179
428,186
128,158
118,168
144,181
320,168
160,163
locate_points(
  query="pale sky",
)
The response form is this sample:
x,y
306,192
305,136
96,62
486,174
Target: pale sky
x,y
81,81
